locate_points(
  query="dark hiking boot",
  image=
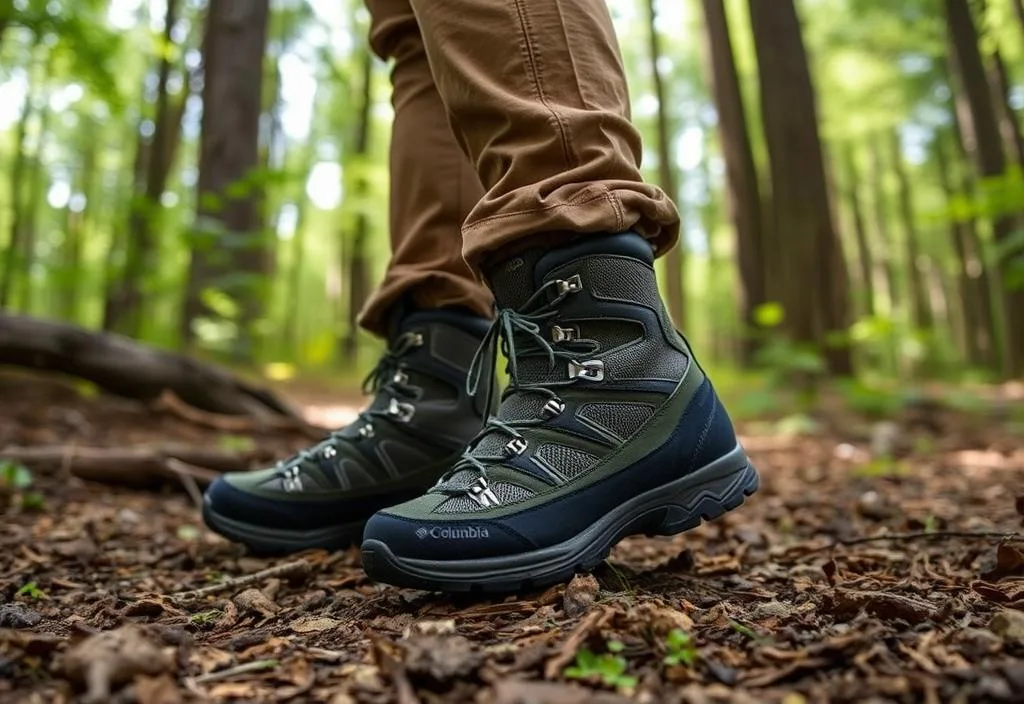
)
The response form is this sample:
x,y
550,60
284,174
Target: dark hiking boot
x,y
608,428
417,425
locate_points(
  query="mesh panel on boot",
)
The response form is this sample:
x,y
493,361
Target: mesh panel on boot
x,y
506,492
568,461
622,419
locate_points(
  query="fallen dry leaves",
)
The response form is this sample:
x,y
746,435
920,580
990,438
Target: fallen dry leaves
x,y
838,582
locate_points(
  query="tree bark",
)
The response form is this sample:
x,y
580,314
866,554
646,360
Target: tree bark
x,y
982,125
15,243
675,295
124,367
884,238
228,253
1013,139
919,300
741,172
358,260
37,181
864,258
812,257
144,211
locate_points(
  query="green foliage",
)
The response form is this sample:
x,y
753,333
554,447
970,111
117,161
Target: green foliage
x,y
680,648
609,668
32,591
15,479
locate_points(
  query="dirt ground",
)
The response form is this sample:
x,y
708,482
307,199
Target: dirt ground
x,y
848,577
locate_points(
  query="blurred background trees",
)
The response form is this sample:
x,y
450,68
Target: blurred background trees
x,y
210,176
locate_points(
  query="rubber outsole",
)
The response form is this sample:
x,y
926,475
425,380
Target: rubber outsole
x,y
262,540
671,509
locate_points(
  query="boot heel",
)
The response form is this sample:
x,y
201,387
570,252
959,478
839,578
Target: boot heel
x,y
687,508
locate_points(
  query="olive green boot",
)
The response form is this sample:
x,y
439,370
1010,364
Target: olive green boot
x,y
419,421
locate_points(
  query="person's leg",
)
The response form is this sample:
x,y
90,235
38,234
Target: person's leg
x,y
433,185
433,314
609,427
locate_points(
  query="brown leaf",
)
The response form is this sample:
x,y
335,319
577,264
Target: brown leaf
x,y
1009,563
254,600
1008,624
113,658
885,605
315,625
579,595
156,690
523,692
441,657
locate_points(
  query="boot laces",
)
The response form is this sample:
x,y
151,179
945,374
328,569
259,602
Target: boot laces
x,y
518,335
386,378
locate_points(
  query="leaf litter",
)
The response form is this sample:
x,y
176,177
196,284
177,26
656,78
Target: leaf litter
x,y
842,580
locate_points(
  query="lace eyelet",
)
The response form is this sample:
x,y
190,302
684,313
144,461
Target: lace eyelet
x,y
570,285
291,480
402,411
516,446
591,370
400,377
480,492
417,339
566,334
329,452
367,431
553,407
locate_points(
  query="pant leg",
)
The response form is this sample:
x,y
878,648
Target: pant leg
x,y
536,93
433,185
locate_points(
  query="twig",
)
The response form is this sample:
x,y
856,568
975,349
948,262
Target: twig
x,y
185,472
922,535
169,402
288,569
244,668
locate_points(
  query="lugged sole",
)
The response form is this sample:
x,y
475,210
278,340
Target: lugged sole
x,y
668,510
262,540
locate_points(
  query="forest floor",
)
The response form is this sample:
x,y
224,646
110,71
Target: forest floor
x,y
868,568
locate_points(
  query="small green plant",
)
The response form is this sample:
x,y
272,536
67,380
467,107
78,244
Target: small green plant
x,y
680,648
749,632
609,668
883,467
15,479
204,617
32,591
236,443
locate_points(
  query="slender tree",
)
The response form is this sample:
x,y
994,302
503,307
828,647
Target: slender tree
x,y
981,123
741,172
675,260
812,255
864,256
228,254
919,300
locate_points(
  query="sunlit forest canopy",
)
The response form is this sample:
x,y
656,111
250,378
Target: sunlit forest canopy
x,y
849,176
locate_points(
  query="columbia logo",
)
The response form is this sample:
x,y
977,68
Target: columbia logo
x,y
422,533
453,533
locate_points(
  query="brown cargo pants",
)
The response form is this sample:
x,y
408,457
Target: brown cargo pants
x,y
511,120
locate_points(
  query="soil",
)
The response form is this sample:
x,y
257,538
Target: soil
x,y
880,561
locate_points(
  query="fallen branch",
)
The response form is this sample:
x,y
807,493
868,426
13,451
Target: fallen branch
x,y
127,368
923,535
243,669
169,402
138,467
298,568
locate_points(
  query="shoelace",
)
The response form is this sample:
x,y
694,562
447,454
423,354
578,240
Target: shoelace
x,y
385,378
526,324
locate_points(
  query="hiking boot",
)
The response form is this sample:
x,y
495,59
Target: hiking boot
x,y
417,425
609,427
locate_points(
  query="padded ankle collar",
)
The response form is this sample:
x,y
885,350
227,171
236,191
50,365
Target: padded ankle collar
x,y
625,244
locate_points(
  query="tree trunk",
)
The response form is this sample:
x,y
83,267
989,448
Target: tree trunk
x,y
812,259
144,211
1018,8
15,243
358,259
74,234
229,254
741,172
867,265
114,305
883,239
982,125
1013,139
674,261
919,300
36,195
